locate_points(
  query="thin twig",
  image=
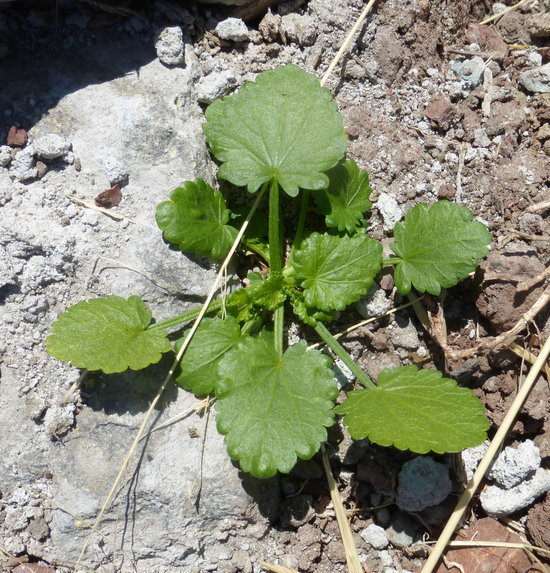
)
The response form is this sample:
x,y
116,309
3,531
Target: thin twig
x,y
83,203
542,206
504,12
494,447
489,343
352,558
347,41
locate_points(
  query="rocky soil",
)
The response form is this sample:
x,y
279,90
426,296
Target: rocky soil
x,y
436,106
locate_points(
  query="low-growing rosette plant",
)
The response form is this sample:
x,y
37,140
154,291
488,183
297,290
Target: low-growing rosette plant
x,y
283,134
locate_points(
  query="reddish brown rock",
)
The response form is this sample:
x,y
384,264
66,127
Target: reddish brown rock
x,y
538,524
499,300
486,38
487,559
17,137
441,112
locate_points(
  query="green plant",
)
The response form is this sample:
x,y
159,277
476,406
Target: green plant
x,y
283,132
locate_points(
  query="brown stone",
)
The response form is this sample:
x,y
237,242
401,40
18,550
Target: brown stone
x,y
538,524
17,137
487,559
441,112
486,38
499,300
539,25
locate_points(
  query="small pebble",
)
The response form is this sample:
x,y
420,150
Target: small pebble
x,y
51,146
5,155
232,30
390,210
215,85
170,47
375,536
514,465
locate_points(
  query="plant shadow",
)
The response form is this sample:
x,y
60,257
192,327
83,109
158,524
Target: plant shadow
x,y
129,392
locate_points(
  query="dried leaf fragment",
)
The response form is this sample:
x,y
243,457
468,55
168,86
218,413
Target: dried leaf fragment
x,y
110,197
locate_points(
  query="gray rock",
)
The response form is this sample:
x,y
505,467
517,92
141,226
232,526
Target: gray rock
x,y
375,536
342,373
215,85
423,482
389,209
403,334
481,138
514,465
499,502
499,7
536,80
232,30
51,146
402,531
5,155
471,71
299,29
23,164
471,458
170,46
114,169
374,303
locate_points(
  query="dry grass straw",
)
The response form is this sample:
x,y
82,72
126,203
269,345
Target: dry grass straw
x,y
504,12
494,448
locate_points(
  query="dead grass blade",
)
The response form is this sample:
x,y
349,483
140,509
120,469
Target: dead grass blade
x,y
352,557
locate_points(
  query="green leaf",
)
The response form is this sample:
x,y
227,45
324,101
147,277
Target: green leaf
x,y
198,369
108,334
416,410
283,127
335,271
268,293
437,246
195,219
346,198
309,314
273,408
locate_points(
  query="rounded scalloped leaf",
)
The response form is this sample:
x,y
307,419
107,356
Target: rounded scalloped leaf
x,y
346,198
438,246
335,271
198,368
273,408
283,127
195,219
416,410
108,334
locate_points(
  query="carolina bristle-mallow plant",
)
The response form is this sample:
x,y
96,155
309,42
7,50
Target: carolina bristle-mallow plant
x,y
284,133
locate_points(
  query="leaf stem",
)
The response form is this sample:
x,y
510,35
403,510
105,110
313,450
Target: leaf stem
x,y
301,219
392,261
275,257
214,306
341,352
